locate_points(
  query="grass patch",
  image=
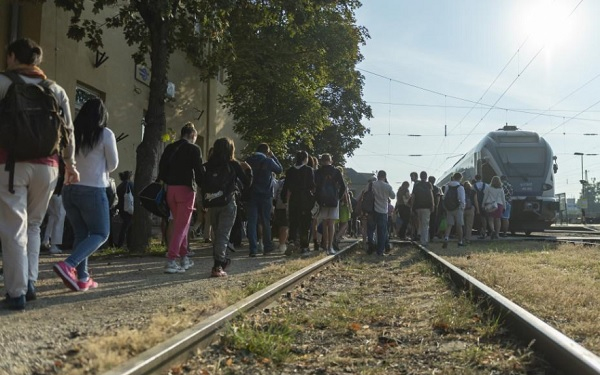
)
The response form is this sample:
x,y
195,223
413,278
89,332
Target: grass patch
x,y
101,353
271,340
559,283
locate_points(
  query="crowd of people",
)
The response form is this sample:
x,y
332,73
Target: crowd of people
x,y
424,211
224,199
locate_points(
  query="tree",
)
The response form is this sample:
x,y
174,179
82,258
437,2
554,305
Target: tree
x,y
292,78
157,28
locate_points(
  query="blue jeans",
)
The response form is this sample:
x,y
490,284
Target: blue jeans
x,y
222,219
87,211
259,208
382,231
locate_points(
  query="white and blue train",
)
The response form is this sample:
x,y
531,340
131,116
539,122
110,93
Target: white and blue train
x,y
526,159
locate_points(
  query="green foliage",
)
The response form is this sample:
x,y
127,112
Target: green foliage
x,y
292,80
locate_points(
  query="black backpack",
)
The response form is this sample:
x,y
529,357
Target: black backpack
x,y
480,194
328,192
423,195
31,122
451,201
218,184
367,202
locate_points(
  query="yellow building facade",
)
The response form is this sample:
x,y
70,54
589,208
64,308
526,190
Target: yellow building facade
x,y
118,81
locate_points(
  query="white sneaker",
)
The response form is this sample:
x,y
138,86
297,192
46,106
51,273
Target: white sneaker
x,y
331,251
54,250
173,267
283,248
186,263
259,247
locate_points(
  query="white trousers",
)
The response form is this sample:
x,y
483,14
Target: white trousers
x,y
21,215
56,221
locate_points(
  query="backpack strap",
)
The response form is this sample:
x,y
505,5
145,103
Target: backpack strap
x,y
10,168
13,76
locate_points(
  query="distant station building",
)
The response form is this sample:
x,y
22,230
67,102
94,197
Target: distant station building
x,y
358,180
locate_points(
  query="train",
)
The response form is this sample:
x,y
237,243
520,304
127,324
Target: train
x,y
527,160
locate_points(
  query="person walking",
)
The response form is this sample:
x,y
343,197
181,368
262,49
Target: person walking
x,y
260,204
494,203
125,187
454,202
423,204
508,192
479,186
471,209
298,192
24,198
330,188
55,224
382,191
403,208
86,201
180,168
225,178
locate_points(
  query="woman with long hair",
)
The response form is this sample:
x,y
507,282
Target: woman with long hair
x,y
86,201
298,190
494,196
222,218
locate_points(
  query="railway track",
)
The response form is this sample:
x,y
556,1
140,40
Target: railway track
x,y
562,352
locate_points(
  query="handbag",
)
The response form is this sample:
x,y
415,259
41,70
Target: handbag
x,y
154,198
490,207
128,202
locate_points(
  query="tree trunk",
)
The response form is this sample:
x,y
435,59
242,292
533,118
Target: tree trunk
x,y
148,151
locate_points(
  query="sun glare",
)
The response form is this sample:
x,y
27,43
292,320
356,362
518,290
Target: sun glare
x,y
547,22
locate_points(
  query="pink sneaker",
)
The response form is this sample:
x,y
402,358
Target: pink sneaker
x,y
68,275
85,285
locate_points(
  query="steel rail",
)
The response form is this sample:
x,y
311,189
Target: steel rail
x,y
561,351
167,353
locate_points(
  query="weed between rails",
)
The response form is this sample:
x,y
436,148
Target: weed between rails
x,y
350,319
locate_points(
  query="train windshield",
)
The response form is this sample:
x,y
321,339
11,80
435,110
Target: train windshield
x,y
523,161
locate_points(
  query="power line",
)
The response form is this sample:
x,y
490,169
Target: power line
x,y
532,111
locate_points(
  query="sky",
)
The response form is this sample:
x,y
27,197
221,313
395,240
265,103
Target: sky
x,y
472,66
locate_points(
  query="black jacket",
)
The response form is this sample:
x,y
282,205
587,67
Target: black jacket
x,y
181,164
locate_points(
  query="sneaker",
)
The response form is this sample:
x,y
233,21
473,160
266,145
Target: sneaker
x,y
283,248
45,245
335,246
252,255
289,251
218,272
68,275
86,285
186,263
173,267
226,264
31,295
305,253
259,247
207,240
445,244
16,303
331,251
54,250
461,244
316,245
230,247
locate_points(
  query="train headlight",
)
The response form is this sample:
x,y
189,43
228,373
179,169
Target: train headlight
x,y
547,187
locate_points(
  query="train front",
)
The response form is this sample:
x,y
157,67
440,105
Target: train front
x,y
528,166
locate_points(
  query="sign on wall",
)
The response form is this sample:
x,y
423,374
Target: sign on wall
x,y
142,74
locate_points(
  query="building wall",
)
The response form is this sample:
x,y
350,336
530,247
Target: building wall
x,y
71,64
